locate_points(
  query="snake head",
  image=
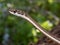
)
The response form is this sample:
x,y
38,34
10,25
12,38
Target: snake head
x,y
16,12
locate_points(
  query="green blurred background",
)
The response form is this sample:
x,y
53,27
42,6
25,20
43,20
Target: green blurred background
x,y
17,31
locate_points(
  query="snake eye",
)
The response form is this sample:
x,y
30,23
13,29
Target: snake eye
x,y
14,11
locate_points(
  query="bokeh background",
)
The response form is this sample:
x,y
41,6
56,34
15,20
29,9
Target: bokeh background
x,y
17,31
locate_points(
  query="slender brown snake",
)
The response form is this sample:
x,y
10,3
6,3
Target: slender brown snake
x,y
22,14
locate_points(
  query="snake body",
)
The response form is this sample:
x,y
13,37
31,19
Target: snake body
x,y
24,15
